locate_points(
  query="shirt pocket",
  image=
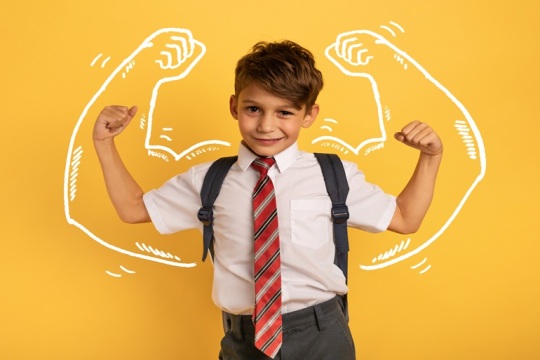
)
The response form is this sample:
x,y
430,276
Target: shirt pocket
x,y
310,222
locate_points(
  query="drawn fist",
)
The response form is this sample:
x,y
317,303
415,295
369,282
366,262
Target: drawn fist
x,y
174,52
355,50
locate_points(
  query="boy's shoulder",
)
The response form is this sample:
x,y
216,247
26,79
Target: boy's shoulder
x,y
196,173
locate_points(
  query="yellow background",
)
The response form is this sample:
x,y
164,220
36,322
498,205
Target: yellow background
x,y
479,299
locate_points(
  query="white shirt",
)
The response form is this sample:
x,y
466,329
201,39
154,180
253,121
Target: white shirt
x,y
309,275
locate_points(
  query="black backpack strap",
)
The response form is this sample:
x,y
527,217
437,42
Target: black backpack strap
x,y
338,189
209,192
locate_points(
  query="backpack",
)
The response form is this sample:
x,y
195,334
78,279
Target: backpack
x,y
336,186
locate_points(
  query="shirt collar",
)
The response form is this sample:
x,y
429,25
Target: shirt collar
x,y
283,160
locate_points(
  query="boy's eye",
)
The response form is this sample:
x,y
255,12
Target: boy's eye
x,y
285,113
252,109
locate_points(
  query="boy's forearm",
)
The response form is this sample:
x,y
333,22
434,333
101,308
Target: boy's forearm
x,y
414,201
124,192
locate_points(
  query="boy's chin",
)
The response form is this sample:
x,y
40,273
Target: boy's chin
x,y
263,151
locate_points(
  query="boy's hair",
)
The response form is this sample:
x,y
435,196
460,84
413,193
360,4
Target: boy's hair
x,y
284,69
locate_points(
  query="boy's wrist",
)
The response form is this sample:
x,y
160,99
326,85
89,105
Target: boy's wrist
x,y
104,145
432,154
430,159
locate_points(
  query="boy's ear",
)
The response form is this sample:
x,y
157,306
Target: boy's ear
x,y
233,106
310,116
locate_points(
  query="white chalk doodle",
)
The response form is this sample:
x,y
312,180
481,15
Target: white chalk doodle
x,y
170,54
119,275
421,263
364,54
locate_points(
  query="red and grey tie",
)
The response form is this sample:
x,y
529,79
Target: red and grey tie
x,y
267,268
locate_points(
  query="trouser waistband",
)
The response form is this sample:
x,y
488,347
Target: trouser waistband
x,y
242,324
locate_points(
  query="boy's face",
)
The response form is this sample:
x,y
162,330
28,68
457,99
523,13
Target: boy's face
x,y
268,124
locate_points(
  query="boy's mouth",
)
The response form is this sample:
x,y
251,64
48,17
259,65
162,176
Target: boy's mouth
x,y
267,141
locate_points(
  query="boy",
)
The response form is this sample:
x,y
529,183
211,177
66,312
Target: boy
x,y
276,88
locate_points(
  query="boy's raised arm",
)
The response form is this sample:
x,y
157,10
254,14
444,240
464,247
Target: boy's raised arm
x,y
124,192
414,200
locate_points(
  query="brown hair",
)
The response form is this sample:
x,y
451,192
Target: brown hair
x,y
284,69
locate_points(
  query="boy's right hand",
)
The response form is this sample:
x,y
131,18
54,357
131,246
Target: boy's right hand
x,y
112,121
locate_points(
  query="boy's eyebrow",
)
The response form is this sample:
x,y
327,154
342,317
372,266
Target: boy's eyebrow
x,y
255,102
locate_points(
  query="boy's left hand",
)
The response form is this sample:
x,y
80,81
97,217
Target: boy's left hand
x,y
420,136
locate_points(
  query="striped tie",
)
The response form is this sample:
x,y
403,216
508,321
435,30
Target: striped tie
x,y
267,268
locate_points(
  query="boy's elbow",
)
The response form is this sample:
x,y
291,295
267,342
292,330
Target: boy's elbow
x,y
403,225
130,219
134,214
406,229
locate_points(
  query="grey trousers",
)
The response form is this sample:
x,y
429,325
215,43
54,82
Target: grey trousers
x,y
320,332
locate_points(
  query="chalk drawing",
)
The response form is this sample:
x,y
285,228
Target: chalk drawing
x,y
170,54
119,275
390,71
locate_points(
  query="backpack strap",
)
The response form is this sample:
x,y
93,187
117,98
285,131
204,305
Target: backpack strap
x,y
209,192
338,189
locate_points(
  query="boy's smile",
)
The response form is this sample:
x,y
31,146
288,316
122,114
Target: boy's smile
x,y
268,124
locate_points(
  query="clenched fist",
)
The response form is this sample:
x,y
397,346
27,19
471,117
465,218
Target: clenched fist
x,y
112,121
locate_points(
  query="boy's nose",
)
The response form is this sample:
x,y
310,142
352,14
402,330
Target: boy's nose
x,y
267,123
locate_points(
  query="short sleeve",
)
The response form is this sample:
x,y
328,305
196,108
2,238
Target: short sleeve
x,y
174,206
370,208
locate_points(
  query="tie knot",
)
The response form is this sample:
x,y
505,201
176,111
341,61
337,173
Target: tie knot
x,y
263,164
